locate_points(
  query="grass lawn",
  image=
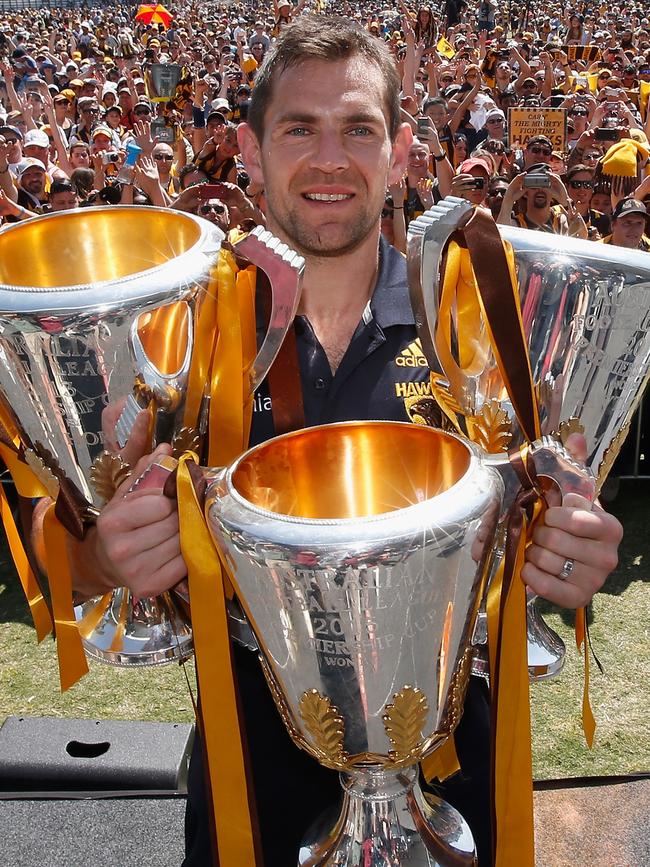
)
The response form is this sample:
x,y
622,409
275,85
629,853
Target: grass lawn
x,y
620,697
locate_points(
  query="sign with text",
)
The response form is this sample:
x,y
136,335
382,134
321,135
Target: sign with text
x,y
524,123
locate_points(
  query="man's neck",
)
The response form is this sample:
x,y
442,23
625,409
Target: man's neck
x,y
336,291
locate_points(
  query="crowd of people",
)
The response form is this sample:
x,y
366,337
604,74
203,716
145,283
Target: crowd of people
x,y
76,93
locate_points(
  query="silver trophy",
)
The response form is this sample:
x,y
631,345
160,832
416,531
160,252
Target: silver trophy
x,y
358,553
97,322
585,310
161,80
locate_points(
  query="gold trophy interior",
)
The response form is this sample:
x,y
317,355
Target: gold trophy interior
x,y
111,245
342,472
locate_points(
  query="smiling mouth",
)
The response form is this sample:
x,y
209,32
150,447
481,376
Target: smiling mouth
x,y
328,197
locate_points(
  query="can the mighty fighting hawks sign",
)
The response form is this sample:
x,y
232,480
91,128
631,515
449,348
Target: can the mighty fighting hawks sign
x,y
524,123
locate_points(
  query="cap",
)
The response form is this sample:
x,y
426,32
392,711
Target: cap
x,y
12,129
629,206
37,138
29,163
216,115
220,104
495,112
540,139
475,163
101,130
68,93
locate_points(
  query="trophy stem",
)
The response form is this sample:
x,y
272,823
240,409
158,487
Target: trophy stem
x,y
386,821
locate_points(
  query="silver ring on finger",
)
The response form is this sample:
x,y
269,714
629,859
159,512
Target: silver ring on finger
x,y
567,569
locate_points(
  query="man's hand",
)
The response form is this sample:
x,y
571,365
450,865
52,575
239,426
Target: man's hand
x,y
572,531
137,539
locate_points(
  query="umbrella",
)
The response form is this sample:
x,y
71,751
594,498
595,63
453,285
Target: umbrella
x,y
154,14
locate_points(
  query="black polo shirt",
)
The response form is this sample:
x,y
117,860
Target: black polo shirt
x,y
383,374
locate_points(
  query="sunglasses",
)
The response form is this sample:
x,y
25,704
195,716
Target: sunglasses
x,y
495,120
215,209
90,111
142,112
167,157
578,114
538,151
581,185
493,194
529,86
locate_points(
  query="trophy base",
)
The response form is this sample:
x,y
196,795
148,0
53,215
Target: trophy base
x,y
546,650
387,821
120,629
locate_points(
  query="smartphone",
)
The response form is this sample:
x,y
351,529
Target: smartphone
x,y
211,191
423,126
537,181
604,134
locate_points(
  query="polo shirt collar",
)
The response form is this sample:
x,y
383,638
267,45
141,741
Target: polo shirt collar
x,y
390,303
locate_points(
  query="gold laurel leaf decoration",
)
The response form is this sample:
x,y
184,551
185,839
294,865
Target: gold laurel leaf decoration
x,y
570,426
107,473
611,453
404,720
184,440
42,472
491,428
325,724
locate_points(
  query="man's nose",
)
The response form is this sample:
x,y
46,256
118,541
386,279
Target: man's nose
x,y
329,153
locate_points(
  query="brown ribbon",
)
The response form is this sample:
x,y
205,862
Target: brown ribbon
x,y
285,387
503,315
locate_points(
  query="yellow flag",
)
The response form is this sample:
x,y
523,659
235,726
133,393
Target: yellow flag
x,y
592,77
445,48
644,92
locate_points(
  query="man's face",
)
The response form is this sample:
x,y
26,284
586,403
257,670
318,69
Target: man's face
x,y
627,230
100,143
33,181
437,114
538,199
418,159
41,154
15,151
539,152
90,113
326,157
64,201
79,158
495,196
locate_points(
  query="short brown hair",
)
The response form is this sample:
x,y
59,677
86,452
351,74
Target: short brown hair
x,y
314,37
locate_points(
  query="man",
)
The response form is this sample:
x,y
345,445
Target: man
x,y
538,150
325,159
472,180
63,196
629,226
31,189
536,208
37,145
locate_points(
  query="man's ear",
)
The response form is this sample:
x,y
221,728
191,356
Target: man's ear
x,y
251,153
399,156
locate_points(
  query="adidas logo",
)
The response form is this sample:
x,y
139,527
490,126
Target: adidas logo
x,y
412,356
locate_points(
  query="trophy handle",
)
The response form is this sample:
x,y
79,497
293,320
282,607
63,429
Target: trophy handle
x,y
285,270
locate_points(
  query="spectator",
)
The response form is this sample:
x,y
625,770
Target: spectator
x,y
629,220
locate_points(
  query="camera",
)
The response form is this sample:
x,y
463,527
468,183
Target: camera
x,y
110,157
604,134
476,183
537,181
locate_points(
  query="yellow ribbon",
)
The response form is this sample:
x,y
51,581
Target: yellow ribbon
x,y
26,483
442,763
205,336
512,758
72,660
223,745
588,721
229,415
37,604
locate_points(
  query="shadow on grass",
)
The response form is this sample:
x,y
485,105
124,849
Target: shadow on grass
x,y
632,510
13,605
